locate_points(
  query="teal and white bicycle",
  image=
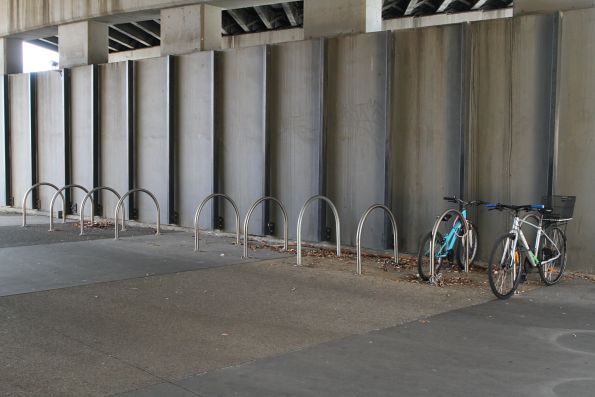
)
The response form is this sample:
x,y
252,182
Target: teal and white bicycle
x,y
512,253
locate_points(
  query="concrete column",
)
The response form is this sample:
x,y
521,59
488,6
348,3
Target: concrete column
x,y
333,17
83,43
190,28
11,56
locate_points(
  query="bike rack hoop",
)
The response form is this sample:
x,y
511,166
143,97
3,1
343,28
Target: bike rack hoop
x,y
360,226
59,192
432,238
27,195
301,217
199,210
87,196
249,214
121,201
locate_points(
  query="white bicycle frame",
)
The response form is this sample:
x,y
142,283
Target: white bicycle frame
x,y
520,236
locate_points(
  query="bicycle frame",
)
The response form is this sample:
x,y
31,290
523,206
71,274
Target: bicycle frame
x,y
519,236
451,238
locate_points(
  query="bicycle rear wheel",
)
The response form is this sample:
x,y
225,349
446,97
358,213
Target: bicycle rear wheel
x,y
551,273
504,267
423,256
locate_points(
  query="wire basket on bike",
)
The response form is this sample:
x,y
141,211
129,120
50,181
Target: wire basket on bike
x,y
562,208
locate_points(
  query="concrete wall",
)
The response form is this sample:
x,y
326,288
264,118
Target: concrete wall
x,y
50,135
3,133
372,118
240,134
427,125
151,137
20,138
296,131
195,126
357,131
510,112
82,131
113,136
575,139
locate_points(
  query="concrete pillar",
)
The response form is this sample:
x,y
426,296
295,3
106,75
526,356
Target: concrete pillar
x,y
540,6
333,17
11,56
83,43
190,28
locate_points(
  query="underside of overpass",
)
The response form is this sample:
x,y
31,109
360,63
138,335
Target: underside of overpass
x,y
139,34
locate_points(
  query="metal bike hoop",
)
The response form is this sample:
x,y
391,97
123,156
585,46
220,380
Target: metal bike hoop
x,y
301,217
432,245
121,201
358,236
59,192
199,210
249,214
87,196
27,195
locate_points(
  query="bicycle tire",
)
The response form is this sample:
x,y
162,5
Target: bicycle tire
x,y
423,262
472,248
500,264
544,271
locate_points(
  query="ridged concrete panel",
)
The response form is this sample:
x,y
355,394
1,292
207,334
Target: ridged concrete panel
x,y
356,140
428,102
294,114
194,115
20,138
576,138
490,137
240,131
113,137
508,141
50,135
2,147
82,131
151,137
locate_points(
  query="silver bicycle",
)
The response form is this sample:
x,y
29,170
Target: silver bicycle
x,y
512,254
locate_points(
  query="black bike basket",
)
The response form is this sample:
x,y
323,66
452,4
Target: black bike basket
x,y
562,206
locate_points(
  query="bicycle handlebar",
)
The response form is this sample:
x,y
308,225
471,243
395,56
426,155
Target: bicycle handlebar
x,y
464,203
517,208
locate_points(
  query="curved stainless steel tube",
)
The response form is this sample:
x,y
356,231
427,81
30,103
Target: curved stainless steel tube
x,y
87,196
27,195
249,214
358,236
301,217
121,201
63,203
432,244
199,210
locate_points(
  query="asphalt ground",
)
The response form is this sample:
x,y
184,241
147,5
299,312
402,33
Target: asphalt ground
x,y
148,316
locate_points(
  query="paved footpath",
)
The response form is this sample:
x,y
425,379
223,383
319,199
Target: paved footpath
x,y
539,344
148,316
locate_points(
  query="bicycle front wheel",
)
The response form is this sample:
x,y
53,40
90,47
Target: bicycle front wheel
x,y
473,238
423,256
551,272
504,267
